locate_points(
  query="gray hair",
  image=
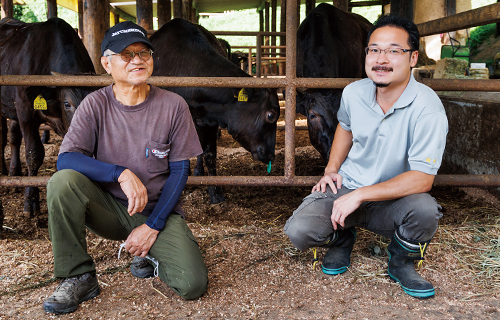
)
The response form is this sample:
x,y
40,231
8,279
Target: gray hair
x,y
108,53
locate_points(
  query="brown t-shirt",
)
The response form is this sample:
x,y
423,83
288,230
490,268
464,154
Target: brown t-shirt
x,y
142,138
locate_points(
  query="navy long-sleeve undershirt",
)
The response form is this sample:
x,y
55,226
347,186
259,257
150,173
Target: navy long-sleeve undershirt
x,y
100,171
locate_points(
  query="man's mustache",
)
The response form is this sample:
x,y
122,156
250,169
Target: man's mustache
x,y
381,68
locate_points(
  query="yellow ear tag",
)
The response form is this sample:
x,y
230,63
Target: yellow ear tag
x,y
40,103
243,95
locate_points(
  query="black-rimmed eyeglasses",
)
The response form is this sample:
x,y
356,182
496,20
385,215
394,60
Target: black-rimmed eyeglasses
x,y
391,52
128,55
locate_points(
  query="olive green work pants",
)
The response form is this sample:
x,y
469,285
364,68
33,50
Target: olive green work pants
x,y
75,203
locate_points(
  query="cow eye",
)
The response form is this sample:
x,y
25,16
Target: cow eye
x,y
312,116
67,105
270,116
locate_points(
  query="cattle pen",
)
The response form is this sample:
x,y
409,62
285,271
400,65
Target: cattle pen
x,y
481,16
254,271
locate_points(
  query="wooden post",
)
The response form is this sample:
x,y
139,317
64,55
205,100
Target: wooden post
x,y
342,4
144,11
95,24
298,13
80,18
51,9
310,4
164,12
404,8
186,9
177,8
450,7
7,9
195,18
282,67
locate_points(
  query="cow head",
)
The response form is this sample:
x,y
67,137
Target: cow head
x,y
253,122
320,106
61,104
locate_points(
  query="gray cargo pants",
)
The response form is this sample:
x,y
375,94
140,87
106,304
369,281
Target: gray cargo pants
x,y
415,217
76,203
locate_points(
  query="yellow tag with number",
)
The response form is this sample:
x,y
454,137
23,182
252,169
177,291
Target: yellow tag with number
x,y
40,103
243,95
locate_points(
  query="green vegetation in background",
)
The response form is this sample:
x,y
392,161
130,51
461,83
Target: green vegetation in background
x,y
36,11
248,20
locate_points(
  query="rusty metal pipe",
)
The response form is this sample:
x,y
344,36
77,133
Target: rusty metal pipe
x,y
492,85
462,180
291,89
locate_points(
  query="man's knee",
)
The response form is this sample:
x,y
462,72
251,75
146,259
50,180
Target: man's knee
x,y
192,286
423,218
61,181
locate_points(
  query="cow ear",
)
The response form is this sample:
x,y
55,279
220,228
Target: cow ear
x,y
45,92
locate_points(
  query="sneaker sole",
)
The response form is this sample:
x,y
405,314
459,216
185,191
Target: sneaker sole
x,y
420,294
333,272
90,294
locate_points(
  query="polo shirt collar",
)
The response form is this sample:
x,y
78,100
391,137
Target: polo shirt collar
x,y
408,95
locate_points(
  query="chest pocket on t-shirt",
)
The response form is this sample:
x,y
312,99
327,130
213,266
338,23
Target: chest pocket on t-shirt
x,y
157,156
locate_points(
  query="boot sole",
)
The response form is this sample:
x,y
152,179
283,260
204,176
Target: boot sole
x,y
420,294
94,292
333,272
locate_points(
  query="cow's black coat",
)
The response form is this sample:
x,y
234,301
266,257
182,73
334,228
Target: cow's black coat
x,y
39,49
186,49
330,44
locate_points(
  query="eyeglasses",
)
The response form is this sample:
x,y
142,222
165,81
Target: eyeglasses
x,y
392,52
128,55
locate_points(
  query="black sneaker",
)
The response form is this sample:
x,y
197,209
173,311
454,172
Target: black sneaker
x,y
142,268
71,292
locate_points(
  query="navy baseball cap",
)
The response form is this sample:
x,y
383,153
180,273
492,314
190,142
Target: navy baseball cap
x,y
123,34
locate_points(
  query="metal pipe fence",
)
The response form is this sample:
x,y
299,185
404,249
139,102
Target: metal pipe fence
x,y
290,83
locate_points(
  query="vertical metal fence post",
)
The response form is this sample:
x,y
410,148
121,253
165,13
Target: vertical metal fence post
x,y
291,90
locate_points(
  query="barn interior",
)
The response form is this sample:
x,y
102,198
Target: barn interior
x,y
471,160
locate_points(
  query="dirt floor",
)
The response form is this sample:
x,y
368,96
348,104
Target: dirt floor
x,y
254,271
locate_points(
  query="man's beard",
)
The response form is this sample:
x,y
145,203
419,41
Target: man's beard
x,y
382,85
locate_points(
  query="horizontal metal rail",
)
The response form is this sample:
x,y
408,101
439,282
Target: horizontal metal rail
x,y
445,180
492,85
472,18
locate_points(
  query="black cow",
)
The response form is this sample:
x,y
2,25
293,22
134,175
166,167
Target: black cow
x,y
39,49
330,44
249,114
239,58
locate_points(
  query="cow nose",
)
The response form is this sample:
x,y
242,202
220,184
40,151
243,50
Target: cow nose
x,y
261,150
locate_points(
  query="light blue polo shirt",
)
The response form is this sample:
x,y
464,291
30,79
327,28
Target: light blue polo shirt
x,y
410,136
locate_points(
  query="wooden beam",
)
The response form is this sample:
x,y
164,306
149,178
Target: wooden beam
x,y
95,24
164,12
467,19
364,4
144,12
7,9
51,9
121,13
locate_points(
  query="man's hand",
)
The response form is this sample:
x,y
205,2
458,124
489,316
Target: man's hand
x,y
329,179
135,191
344,206
140,240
